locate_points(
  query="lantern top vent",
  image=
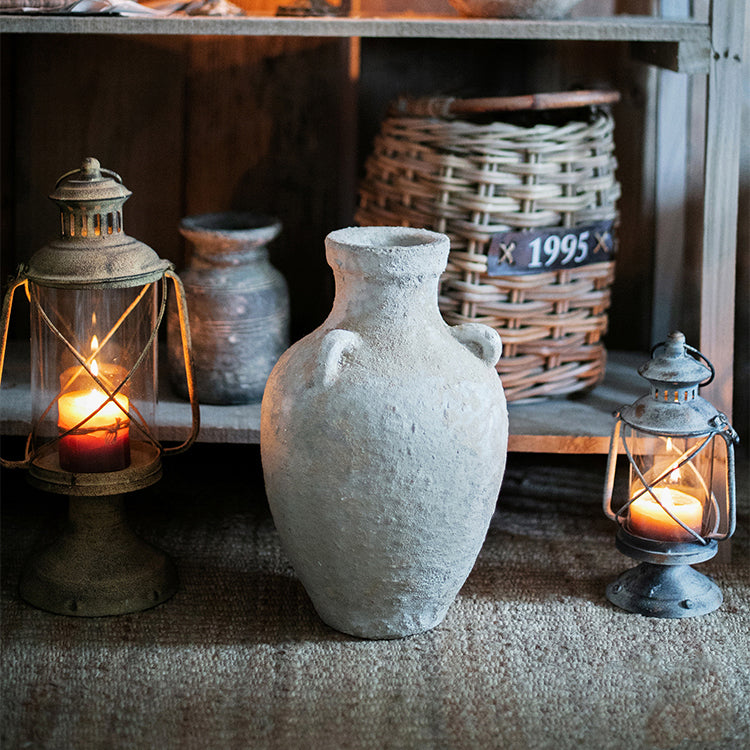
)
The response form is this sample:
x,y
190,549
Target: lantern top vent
x,y
674,406
674,373
90,183
93,249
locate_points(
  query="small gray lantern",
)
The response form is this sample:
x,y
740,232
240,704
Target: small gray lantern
x,y
97,299
680,496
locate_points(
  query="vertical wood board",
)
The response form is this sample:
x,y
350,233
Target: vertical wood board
x,y
721,197
670,194
119,99
268,128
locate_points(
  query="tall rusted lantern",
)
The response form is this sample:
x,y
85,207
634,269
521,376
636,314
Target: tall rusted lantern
x,y
679,502
97,298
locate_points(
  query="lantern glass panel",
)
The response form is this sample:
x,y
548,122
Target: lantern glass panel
x,y
101,405
684,479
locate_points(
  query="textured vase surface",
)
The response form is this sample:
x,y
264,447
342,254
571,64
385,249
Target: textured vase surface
x,y
383,440
238,307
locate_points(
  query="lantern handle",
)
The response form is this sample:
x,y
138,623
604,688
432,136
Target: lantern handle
x,y
611,466
102,170
187,355
19,281
698,354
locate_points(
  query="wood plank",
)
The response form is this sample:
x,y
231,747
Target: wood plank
x,y
721,195
670,194
575,425
617,28
117,99
681,57
268,125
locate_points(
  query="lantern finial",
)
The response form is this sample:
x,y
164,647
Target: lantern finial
x,y
91,167
673,371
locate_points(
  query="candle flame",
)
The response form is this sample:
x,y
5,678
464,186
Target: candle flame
x,y
94,347
666,498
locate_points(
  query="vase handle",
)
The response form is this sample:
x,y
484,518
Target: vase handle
x,y
481,340
335,345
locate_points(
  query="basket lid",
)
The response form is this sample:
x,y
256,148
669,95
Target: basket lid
x,y
436,106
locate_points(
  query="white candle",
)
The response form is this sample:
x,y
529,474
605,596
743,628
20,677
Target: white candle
x,y
646,518
102,442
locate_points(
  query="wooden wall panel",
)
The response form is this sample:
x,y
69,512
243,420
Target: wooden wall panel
x,y
118,99
268,128
192,125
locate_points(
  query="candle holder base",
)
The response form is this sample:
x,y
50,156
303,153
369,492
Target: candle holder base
x,y
667,591
98,566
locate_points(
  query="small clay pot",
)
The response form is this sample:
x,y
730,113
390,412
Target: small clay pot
x,y
238,306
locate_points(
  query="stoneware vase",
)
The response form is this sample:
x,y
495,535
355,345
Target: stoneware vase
x,y
384,438
238,307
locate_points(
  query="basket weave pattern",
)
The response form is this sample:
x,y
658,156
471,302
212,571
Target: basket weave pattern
x,y
471,181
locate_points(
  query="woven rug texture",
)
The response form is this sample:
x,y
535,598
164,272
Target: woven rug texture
x,y
531,655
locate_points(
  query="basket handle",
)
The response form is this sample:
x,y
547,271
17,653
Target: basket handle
x,y
436,106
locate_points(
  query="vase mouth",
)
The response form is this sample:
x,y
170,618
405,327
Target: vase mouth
x,y
396,251
246,226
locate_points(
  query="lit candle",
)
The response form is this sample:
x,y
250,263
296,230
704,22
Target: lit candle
x,y
648,519
102,442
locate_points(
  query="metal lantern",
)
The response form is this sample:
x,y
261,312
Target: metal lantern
x,y
679,501
97,298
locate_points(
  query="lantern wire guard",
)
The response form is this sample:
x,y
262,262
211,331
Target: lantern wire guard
x,y
105,447
677,510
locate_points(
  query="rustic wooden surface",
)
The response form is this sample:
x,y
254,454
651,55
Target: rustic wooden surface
x,y
192,125
723,133
624,28
565,425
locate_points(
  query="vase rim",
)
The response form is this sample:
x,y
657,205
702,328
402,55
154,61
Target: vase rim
x,y
392,249
239,225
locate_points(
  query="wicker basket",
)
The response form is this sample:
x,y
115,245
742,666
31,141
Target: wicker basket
x,y
435,164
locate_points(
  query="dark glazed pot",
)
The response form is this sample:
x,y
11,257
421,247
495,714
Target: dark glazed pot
x,y
238,305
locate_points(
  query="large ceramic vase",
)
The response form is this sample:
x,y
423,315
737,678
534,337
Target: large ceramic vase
x,y
238,307
383,440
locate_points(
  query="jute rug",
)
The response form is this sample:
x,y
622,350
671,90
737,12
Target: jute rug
x,y
531,655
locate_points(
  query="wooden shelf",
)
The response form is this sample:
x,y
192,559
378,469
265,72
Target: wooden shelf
x,y
575,425
682,45
618,28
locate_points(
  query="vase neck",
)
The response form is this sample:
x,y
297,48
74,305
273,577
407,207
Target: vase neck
x,y
363,302
227,258
386,278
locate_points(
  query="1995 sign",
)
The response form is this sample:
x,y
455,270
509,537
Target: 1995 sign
x,y
536,250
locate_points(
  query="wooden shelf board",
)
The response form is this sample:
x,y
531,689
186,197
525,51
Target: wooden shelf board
x,y
573,425
579,424
614,28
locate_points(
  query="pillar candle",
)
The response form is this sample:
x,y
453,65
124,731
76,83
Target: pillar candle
x,y
646,518
102,442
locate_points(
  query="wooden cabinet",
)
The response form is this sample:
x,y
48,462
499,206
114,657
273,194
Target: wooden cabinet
x,y
326,171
